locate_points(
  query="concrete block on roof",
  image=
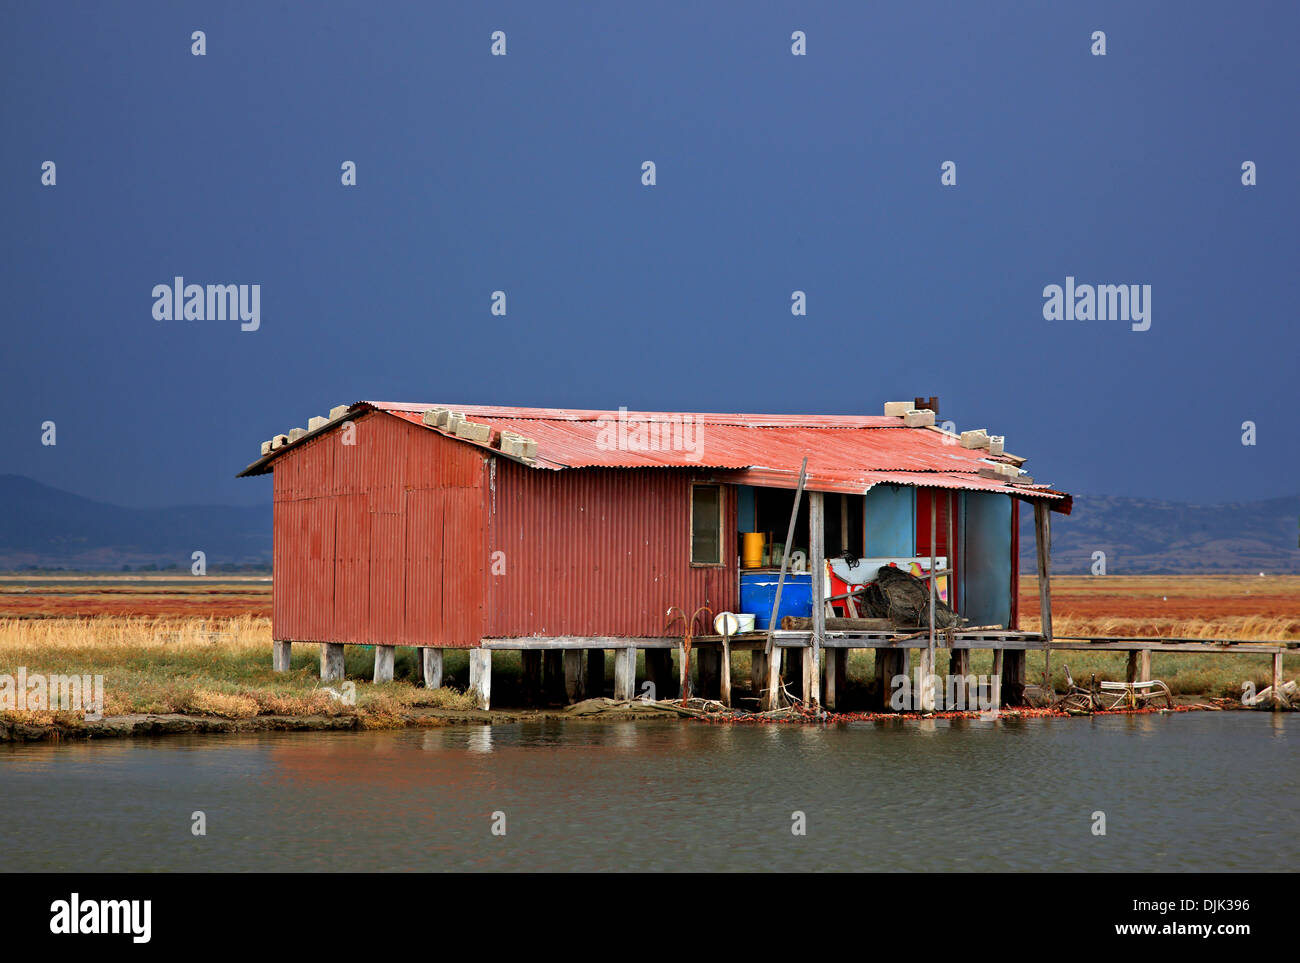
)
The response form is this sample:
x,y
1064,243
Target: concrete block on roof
x,y
919,418
996,443
978,438
295,434
316,421
338,411
897,409
279,441
266,448
473,431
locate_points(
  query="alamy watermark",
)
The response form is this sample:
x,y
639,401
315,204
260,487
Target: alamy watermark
x,y
34,692
1101,302
661,432
179,301
957,693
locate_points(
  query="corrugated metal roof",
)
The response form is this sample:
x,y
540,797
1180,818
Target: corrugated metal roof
x,y
846,453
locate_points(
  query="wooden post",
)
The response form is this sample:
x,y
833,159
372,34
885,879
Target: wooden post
x,y
625,673
995,696
725,686
553,675
531,662
1279,697
1131,669
890,663
1043,537
595,673
331,661
772,697
757,672
817,560
575,674
280,656
1013,677
1146,666
959,668
384,663
927,659
771,692
659,672
708,661
432,659
480,677
808,662
684,668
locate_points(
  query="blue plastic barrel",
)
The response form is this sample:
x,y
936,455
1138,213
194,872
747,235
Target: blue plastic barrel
x,y
758,592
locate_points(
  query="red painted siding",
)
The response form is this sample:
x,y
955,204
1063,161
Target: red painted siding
x,y
361,531
599,552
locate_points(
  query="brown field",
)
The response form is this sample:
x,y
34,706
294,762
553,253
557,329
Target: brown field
x,y
135,596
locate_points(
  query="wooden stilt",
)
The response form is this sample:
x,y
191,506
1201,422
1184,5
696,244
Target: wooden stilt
x,y
659,672
531,661
684,671
725,678
331,661
625,673
959,669
1013,677
1131,669
833,685
758,672
817,562
890,664
771,692
431,659
595,673
384,655
280,656
1146,666
480,677
575,675
808,662
925,697
1279,697
553,676
995,696
1043,537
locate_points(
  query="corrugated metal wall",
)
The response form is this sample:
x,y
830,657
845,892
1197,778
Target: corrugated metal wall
x,y
361,532
599,552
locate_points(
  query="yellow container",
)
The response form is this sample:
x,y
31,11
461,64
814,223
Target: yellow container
x,y
751,552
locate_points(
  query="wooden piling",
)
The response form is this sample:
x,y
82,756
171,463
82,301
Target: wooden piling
x,y
531,662
480,677
575,675
1013,676
331,661
431,661
995,695
725,679
625,673
1279,697
384,655
1146,666
595,673
959,668
280,656
553,676
757,672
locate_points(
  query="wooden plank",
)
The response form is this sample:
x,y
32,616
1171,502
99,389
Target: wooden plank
x,y
805,623
480,677
817,561
625,672
575,674
772,693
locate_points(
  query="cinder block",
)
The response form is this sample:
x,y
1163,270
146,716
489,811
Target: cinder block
x,y
437,417
295,434
338,411
995,444
279,441
897,409
473,431
316,421
918,418
979,438
266,448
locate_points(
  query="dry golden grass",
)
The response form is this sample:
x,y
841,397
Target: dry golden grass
x,y
219,667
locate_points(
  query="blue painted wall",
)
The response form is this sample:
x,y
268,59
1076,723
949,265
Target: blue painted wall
x,y
985,566
890,527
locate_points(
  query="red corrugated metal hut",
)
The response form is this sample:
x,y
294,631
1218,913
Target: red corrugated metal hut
x,y
444,526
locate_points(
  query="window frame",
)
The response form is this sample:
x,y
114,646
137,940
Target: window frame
x,y
722,521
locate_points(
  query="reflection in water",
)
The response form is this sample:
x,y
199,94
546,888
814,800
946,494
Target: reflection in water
x,y
1178,792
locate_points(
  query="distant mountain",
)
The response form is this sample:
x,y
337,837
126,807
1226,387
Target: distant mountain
x,y
1146,537
47,527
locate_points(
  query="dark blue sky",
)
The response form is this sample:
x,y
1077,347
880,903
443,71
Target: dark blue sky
x,y
775,173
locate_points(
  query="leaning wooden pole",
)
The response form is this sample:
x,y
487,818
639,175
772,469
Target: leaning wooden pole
x,y
1043,536
817,551
774,663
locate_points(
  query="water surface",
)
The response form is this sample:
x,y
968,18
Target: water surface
x,y
1194,791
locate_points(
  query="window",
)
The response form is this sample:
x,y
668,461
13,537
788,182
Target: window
x,y
706,525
